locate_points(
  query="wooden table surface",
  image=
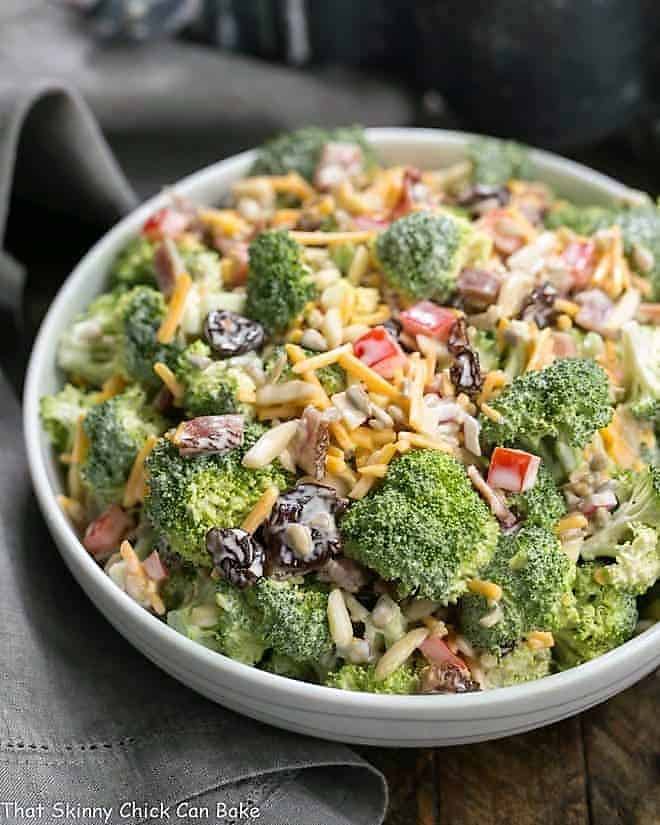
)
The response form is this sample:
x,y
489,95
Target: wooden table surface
x,y
600,768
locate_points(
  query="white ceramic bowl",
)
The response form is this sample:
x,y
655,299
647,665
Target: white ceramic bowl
x,y
306,708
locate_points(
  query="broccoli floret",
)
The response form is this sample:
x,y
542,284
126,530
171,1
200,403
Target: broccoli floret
x,y
637,562
188,496
279,284
134,265
606,618
425,527
141,312
485,343
295,618
639,501
218,616
88,348
404,680
536,578
522,664
422,253
552,411
116,430
286,666
239,629
332,377
583,220
542,505
60,412
300,151
640,356
495,162
213,387
640,227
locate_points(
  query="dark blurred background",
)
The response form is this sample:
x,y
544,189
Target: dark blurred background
x,y
177,84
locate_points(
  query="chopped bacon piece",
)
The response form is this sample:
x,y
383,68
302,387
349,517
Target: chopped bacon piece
x,y
580,258
168,265
310,443
595,310
427,318
492,223
338,162
649,314
209,435
104,535
513,470
563,345
378,350
437,652
237,253
155,568
411,177
366,222
479,288
165,223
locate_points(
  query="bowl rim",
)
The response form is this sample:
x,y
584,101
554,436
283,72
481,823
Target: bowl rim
x,y
503,702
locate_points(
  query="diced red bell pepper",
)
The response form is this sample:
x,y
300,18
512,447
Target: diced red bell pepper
x,y
438,653
580,258
104,535
513,470
165,223
378,350
427,318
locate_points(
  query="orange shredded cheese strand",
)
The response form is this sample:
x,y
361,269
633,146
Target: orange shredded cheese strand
x,y
362,487
135,486
417,440
573,521
224,221
261,510
374,382
489,590
335,465
113,386
539,639
323,359
373,470
175,309
327,238
278,411
169,379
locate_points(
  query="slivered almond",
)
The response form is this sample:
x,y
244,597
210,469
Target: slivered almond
x,y
290,392
270,445
399,653
339,620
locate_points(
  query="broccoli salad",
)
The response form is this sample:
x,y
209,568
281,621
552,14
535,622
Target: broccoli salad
x,y
384,429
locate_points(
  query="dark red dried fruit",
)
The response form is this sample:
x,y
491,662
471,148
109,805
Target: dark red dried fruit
x,y
229,333
446,678
478,198
314,506
236,555
209,435
465,372
539,306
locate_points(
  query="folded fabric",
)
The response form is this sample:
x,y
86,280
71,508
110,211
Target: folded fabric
x,y
86,721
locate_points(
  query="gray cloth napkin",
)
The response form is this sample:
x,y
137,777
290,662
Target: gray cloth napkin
x,y
85,719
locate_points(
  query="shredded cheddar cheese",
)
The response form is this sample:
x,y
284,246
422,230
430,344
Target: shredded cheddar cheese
x,y
261,510
169,379
135,486
175,309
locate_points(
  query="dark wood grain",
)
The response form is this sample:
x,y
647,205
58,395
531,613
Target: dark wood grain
x,y
602,768
534,778
622,748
